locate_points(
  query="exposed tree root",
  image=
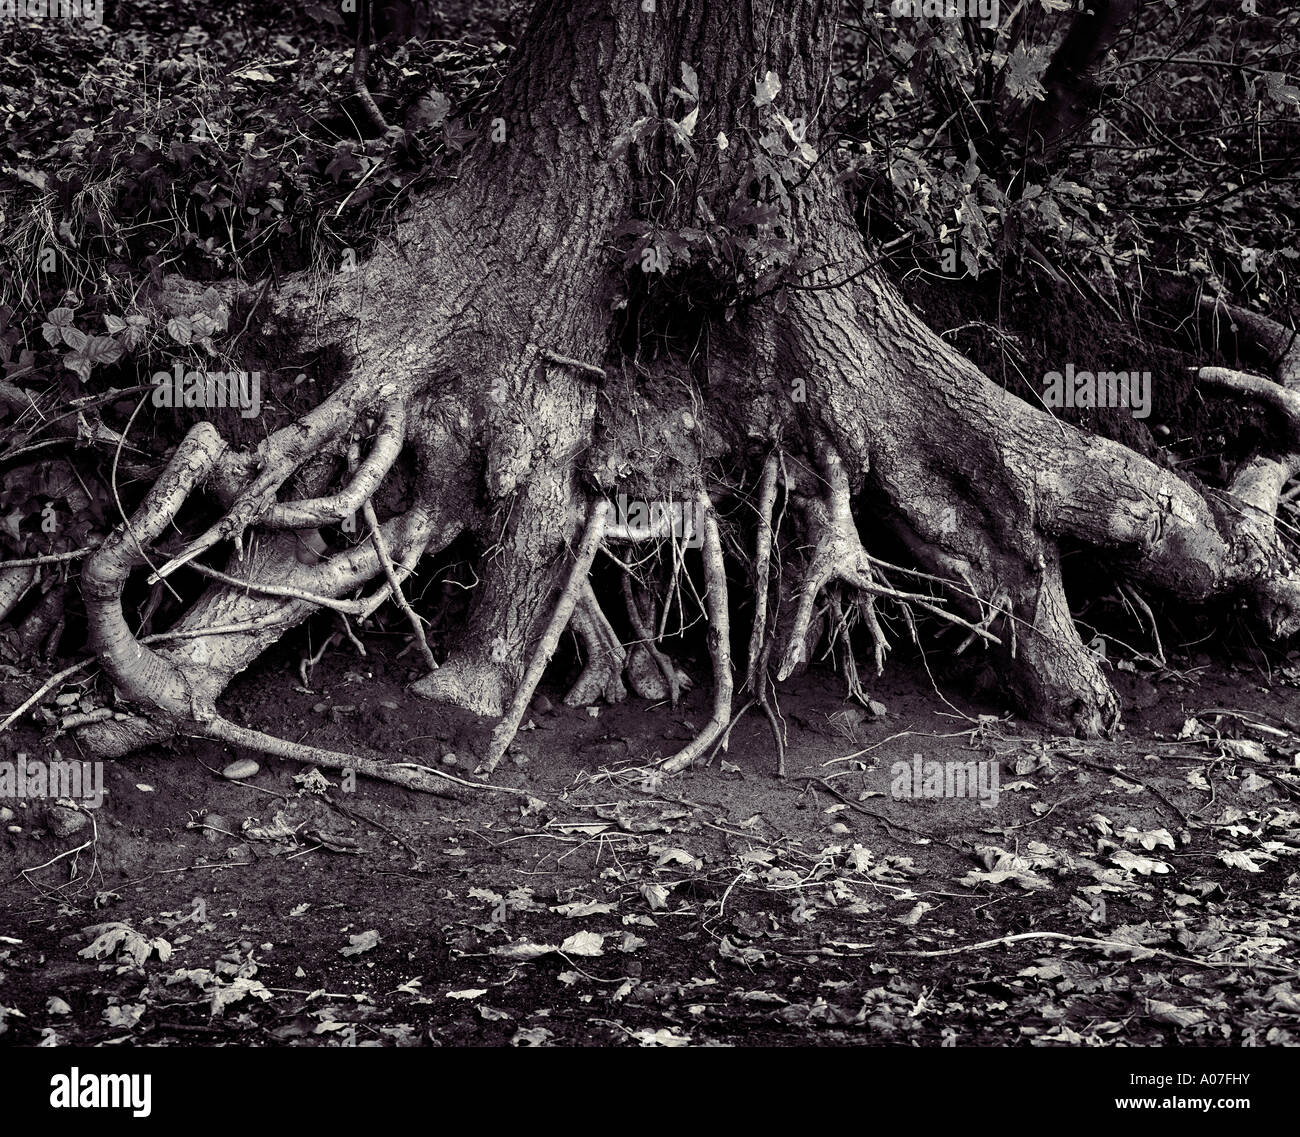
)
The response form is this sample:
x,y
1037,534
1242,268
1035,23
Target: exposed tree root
x,y
648,640
715,579
1278,345
762,571
602,677
223,730
282,454
573,590
838,555
14,583
395,586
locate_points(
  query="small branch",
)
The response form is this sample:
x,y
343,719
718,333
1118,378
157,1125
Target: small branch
x,y
1115,772
466,782
48,559
350,607
578,364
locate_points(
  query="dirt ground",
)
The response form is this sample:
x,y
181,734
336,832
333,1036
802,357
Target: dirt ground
x,y
1145,889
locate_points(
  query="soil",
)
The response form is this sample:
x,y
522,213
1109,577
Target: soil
x,y
602,906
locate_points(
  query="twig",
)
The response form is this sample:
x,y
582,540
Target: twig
x,y
1088,941
1113,771
830,789
464,782
351,607
47,559
225,731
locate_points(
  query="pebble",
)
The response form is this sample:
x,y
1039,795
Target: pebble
x,y
64,822
244,768
6,814
449,759
217,822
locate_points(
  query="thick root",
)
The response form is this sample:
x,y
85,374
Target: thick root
x,y
602,677
715,578
505,731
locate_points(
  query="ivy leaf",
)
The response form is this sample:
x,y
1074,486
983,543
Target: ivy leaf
x,y
768,88
180,329
690,80
95,349
431,109
55,322
135,331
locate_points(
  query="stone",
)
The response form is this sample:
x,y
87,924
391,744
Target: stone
x,y
244,768
64,822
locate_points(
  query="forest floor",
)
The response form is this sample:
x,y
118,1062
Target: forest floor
x,y
1151,879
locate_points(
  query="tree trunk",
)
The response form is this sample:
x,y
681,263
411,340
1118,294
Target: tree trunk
x,y
500,339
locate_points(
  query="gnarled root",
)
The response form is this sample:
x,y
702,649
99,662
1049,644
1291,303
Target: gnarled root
x,y
838,555
177,685
648,642
602,676
1279,346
